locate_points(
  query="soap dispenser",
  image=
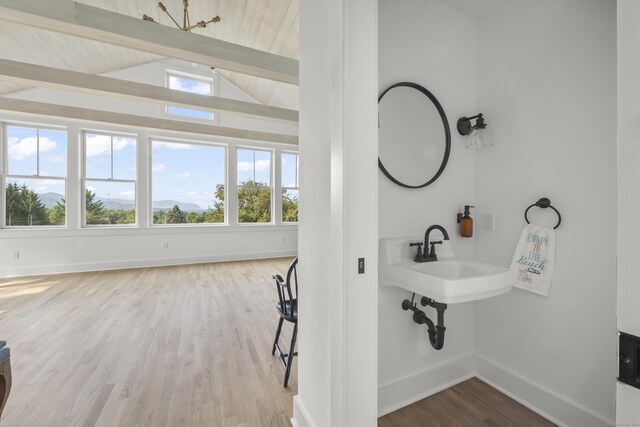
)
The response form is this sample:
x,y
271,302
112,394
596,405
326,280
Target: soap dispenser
x,y
466,222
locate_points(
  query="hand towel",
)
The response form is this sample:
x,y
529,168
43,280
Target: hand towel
x,y
534,259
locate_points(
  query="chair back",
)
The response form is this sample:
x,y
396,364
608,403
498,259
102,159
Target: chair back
x,y
288,291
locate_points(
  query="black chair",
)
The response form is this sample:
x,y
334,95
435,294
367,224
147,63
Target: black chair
x,y
287,307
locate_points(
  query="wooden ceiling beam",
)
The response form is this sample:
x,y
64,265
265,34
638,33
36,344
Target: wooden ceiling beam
x,y
20,72
101,25
41,108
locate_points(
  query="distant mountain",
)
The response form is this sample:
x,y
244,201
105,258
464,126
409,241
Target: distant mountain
x,y
165,205
50,200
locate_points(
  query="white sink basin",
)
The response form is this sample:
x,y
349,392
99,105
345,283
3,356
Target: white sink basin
x,y
447,280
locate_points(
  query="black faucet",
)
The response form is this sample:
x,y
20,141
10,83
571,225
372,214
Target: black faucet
x,y
431,255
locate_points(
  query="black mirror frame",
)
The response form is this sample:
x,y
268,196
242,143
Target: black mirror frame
x,y
447,133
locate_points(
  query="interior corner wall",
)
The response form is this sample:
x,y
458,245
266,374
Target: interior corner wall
x,y
547,86
628,397
426,42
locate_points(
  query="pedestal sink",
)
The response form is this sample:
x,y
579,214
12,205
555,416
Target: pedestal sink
x,y
447,280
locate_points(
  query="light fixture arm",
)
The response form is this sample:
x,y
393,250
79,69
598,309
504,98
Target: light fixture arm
x,y
465,127
186,22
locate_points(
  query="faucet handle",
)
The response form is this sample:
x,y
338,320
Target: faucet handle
x,y
418,244
433,243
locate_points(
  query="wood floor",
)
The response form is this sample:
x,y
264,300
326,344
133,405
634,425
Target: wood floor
x,y
174,346
177,346
468,404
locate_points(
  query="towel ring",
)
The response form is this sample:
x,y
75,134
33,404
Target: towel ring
x,y
543,203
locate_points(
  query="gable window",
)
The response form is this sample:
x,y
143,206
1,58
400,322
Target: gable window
x,y
290,187
191,84
254,186
188,183
34,176
109,182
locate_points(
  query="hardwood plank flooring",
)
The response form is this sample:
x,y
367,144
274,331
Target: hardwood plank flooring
x,y
169,346
468,404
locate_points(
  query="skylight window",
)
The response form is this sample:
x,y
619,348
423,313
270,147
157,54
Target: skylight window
x,y
191,84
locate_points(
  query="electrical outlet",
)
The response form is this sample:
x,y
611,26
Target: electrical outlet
x,y
488,221
165,245
15,254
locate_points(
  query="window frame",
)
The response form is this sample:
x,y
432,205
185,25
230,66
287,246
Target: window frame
x,y
185,75
84,178
283,187
225,148
272,185
5,176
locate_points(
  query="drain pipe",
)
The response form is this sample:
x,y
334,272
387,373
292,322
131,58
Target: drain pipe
x,y
436,332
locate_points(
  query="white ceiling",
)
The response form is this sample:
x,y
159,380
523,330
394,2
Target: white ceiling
x,y
269,25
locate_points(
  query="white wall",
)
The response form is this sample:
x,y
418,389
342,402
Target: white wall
x,y
628,398
425,42
44,251
547,86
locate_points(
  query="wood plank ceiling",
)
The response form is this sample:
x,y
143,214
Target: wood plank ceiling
x,y
269,25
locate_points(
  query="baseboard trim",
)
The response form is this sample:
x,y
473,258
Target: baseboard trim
x,y
408,390
548,404
142,263
300,416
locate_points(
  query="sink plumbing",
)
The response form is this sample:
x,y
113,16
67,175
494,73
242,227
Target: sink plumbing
x,y
436,332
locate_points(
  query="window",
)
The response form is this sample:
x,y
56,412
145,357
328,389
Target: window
x,y
197,85
254,186
290,178
188,183
35,176
109,179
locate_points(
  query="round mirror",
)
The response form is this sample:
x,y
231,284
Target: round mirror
x,y
414,139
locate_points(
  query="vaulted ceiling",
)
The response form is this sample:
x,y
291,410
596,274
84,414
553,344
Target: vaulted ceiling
x,y
269,25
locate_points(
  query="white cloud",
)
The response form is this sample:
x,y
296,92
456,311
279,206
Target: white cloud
x,y
172,145
49,185
159,167
20,149
261,165
101,144
129,194
189,85
184,175
91,188
197,195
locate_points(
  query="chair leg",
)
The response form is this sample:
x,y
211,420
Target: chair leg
x,y
275,341
5,383
292,352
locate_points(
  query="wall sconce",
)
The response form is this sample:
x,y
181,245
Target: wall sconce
x,y
478,132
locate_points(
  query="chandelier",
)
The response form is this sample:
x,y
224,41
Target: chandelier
x,y
186,24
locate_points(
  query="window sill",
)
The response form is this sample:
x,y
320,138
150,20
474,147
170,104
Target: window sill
x,y
25,233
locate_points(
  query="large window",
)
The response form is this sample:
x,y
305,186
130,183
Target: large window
x,y
188,183
290,187
109,183
191,84
254,186
34,176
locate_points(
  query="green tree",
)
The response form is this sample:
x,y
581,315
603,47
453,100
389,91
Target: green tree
x,y
254,202
95,210
57,214
24,206
289,207
215,213
176,216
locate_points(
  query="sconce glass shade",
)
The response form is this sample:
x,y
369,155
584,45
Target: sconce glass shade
x,y
479,138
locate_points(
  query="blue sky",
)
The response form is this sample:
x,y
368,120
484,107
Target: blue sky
x,y
187,172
